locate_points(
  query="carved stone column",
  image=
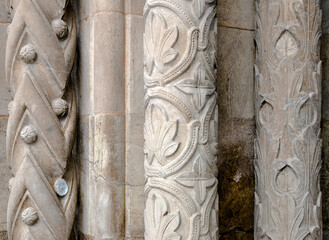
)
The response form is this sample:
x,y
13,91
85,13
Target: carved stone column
x,y
42,118
181,119
288,103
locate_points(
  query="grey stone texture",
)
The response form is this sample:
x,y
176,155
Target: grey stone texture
x,y
105,70
5,98
236,125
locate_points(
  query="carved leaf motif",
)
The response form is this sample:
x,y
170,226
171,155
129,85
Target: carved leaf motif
x,y
159,134
158,43
29,236
199,179
199,6
287,45
199,87
159,223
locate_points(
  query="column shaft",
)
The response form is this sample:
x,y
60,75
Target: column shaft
x,y
288,104
42,119
180,119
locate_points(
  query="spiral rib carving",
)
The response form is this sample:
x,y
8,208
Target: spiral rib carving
x,y
42,118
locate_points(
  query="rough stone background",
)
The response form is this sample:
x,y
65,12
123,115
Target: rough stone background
x,y
236,57
124,119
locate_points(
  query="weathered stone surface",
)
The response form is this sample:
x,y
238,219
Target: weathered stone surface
x,y
40,54
4,14
133,64
236,57
102,122
236,54
181,117
288,110
5,176
135,179
101,147
237,14
236,178
134,7
5,97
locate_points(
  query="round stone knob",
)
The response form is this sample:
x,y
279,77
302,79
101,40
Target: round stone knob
x,y
29,135
60,107
61,187
30,216
28,53
60,28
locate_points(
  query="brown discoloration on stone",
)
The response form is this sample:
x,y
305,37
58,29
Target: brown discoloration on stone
x,y
236,179
3,235
85,236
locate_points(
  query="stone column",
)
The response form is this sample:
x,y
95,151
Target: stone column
x,y
42,118
288,104
101,133
180,119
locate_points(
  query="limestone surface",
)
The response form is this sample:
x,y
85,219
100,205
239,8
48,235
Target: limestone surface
x,y
181,118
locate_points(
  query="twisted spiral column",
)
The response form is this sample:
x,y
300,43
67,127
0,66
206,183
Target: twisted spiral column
x,y
288,114
180,120
42,119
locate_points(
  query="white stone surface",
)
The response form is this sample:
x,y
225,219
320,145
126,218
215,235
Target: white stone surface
x,y
181,117
288,110
38,142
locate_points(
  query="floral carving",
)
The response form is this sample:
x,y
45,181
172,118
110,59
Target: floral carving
x,y
288,155
200,87
28,53
60,28
60,107
30,216
181,140
199,6
159,222
29,135
199,179
158,43
159,135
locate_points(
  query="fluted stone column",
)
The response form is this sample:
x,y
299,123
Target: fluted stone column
x,y
288,103
180,119
42,118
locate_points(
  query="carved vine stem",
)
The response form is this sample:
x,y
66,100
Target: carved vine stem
x,y
42,118
181,119
288,103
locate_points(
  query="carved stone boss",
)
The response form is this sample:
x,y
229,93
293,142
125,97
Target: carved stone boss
x,y
181,119
288,104
42,119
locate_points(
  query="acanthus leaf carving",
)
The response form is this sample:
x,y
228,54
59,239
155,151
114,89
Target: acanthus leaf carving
x,y
158,43
159,137
199,6
288,196
160,223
